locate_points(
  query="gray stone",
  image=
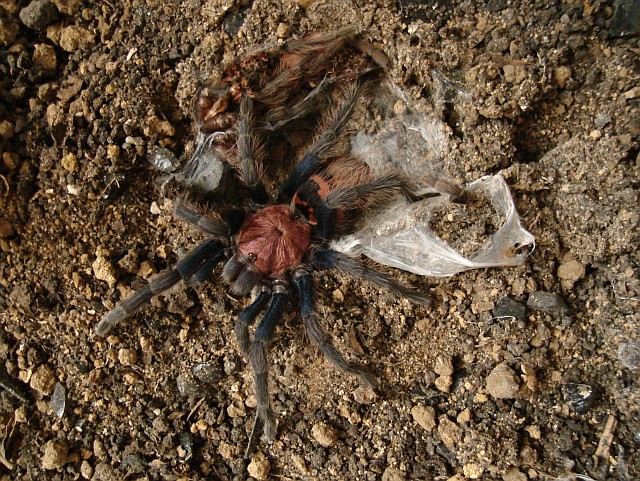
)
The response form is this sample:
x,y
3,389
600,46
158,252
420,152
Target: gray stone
x,y
39,14
548,302
502,382
509,307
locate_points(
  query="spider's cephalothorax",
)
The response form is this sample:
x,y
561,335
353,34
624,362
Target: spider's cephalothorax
x,y
274,241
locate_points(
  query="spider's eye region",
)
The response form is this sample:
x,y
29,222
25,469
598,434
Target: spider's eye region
x,y
252,257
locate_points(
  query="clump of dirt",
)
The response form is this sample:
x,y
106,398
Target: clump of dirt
x,y
521,373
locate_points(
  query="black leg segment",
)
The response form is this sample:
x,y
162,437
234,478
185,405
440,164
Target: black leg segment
x,y
246,317
184,269
258,360
331,259
319,337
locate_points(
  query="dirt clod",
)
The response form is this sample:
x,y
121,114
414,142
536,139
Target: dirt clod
x,y
425,416
325,435
43,379
55,454
259,467
502,382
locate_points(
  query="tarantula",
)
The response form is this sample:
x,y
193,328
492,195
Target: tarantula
x,y
273,242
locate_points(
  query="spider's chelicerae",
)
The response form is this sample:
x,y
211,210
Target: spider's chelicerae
x,y
273,241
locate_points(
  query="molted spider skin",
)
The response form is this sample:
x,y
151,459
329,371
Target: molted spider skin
x,y
275,245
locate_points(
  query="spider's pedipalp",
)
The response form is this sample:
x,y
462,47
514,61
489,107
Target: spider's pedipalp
x,y
184,269
258,360
233,268
319,337
245,282
205,271
331,259
246,317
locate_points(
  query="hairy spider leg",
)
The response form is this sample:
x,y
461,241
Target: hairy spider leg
x,y
331,259
258,360
247,317
314,157
184,269
325,207
279,116
250,153
318,336
206,223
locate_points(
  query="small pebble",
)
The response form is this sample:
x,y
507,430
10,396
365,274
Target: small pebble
x,y
103,270
561,75
44,56
127,357
8,31
325,435
99,450
425,416
259,467
443,383
227,451
464,417
86,470
75,38
105,472
134,463
283,30
449,432
55,454
6,228
43,380
579,397
364,395
157,127
514,474
443,365
59,400
236,411
38,14
300,464
164,160
629,354
548,302
69,162
393,474
207,372
6,130
473,470
601,121
338,296
571,270
502,382
509,307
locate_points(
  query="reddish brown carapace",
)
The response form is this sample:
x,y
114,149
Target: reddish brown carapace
x,y
274,240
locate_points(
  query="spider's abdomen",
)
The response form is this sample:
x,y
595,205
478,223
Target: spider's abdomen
x,y
274,240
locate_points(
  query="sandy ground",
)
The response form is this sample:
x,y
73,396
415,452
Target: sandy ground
x,y
514,374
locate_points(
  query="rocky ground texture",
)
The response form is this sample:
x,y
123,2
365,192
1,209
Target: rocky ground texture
x,y
514,374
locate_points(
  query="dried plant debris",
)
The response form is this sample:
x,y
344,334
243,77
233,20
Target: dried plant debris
x,y
8,426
